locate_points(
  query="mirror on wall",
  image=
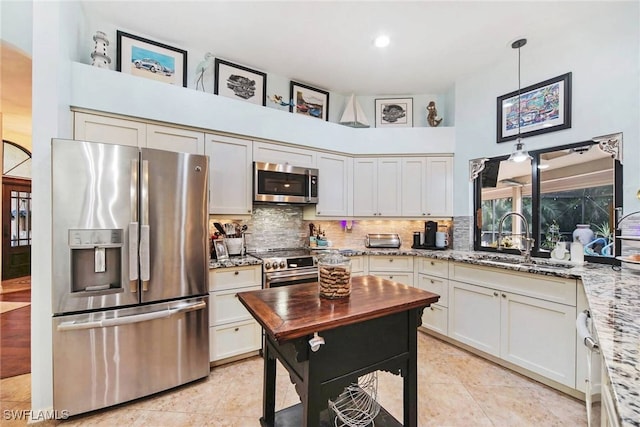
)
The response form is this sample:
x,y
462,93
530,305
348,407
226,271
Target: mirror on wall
x,y
564,193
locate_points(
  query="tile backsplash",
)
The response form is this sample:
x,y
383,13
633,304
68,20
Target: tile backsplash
x,y
283,226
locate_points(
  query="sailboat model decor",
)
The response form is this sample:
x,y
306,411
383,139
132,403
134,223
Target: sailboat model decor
x,y
353,115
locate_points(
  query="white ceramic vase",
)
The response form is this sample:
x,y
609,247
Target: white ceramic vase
x,y
583,234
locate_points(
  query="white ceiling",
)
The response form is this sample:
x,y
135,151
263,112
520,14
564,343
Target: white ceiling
x,y
328,44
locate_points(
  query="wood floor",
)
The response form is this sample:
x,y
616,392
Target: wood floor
x,y
15,329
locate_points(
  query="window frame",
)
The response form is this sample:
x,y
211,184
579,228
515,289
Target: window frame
x,y
535,206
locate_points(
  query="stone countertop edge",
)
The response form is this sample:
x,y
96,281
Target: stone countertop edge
x,y
234,261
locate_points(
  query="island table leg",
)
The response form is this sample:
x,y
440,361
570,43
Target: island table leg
x,y
269,387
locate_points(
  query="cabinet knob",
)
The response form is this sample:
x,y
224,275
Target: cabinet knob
x,y
390,259
431,308
431,280
504,295
236,329
248,210
423,213
433,263
495,294
318,212
236,273
390,277
428,213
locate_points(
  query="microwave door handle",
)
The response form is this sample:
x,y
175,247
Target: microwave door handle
x,y
145,231
308,196
133,227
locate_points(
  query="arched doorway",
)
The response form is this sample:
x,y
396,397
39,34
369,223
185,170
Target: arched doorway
x,y
16,211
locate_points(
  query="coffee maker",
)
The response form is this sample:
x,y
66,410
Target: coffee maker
x,y
426,239
430,229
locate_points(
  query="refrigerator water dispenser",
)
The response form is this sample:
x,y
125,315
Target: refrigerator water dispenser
x,y
96,260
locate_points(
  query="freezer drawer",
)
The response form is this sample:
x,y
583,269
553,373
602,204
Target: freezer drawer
x,y
105,358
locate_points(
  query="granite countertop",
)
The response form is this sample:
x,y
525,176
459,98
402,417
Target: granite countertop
x,y
614,302
613,296
235,261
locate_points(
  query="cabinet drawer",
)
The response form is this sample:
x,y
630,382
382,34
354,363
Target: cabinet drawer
x,y
225,307
404,278
234,339
390,263
548,288
433,267
434,317
239,277
437,285
357,264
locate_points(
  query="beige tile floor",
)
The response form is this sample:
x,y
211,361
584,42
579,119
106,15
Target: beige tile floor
x,y
455,388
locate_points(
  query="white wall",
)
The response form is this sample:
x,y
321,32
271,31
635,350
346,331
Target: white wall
x,y
54,32
15,24
604,60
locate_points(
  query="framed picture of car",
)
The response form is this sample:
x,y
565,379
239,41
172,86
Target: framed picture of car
x,y
238,82
394,112
309,101
151,60
545,107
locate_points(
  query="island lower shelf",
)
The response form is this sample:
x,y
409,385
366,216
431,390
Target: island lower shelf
x,y
292,417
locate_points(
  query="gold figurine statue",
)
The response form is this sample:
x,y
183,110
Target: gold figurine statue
x,y
432,115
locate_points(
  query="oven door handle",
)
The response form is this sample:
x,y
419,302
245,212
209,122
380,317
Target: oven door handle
x,y
292,277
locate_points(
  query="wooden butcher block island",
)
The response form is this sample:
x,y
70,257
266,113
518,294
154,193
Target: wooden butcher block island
x,y
375,328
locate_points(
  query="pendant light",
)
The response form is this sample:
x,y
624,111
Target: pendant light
x,y
519,153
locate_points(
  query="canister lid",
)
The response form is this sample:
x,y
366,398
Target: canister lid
x,y
333,257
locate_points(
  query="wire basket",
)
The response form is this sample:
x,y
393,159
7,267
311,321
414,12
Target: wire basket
x,y
357,406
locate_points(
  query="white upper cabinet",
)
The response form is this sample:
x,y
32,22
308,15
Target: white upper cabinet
x,y
439,186
335,185
175,139
414,186
230,175
377,186
110,130
275,153
427,186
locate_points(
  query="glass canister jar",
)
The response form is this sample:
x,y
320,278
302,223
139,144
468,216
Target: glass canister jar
x,y
334,275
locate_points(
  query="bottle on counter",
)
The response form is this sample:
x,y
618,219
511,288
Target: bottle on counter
x,y
577,252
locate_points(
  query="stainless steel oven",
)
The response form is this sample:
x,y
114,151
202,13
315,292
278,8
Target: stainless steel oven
x,y
284,267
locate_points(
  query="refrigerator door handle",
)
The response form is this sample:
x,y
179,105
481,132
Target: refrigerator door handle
x,y
134,274
145,261
145,264
127,320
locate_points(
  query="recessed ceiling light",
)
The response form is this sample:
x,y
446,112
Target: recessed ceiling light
x,y
382,41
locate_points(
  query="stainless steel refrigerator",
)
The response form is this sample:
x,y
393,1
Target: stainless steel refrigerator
x,y
130,272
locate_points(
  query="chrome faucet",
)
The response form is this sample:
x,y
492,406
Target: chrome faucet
x,y
528,241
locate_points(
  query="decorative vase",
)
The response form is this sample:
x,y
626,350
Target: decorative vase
x,y
583,234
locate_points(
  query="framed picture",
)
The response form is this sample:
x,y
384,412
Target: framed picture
x,y
394,113
546,107
151,60
220,247
309,101
238,82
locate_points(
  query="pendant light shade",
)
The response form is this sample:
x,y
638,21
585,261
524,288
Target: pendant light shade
x,y
519,153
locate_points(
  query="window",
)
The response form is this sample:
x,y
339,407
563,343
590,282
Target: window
x,y
561,190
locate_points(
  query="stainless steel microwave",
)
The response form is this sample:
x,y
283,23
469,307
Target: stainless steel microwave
x,y
283,183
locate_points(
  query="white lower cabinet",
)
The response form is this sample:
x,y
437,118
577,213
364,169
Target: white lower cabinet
x,y
531,332
232,330
358,265
435,316
398,268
